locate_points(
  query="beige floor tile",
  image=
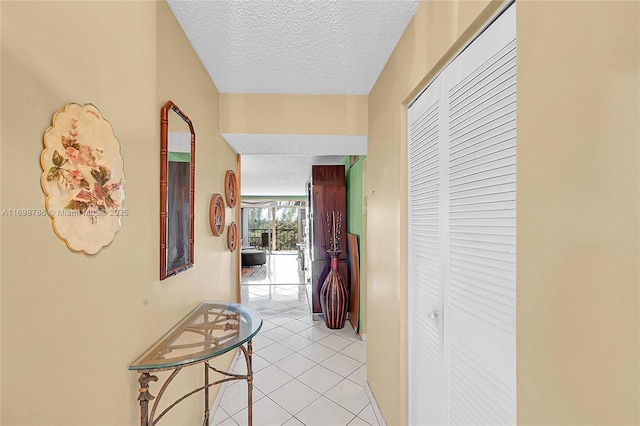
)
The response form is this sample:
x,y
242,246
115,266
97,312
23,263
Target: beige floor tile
x,y
260,341
320,379
335,342
278,334
314,333
270,378
257,362
234,397
349,396
265,413
359,422
295,364
316,352
296,326
274,353
324,412
296,342
359,376
357,351
347,332
368,415
220,417
294,396
341,364
293,422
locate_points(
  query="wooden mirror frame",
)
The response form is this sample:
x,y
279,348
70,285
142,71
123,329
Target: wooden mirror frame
x,y
164,188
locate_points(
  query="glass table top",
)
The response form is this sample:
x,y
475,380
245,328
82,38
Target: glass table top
x,y
211,329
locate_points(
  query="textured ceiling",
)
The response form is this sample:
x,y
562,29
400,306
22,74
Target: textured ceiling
x,y
292,47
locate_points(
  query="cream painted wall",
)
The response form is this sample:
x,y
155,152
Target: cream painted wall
x,y
578,218
293,114
578,235
71,323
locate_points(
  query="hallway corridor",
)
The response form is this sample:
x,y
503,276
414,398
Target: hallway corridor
x,y
304,373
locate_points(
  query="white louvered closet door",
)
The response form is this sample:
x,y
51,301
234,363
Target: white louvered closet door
x,y
425,294
476,240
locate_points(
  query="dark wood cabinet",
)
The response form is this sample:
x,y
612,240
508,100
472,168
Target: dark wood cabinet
x,y
326,193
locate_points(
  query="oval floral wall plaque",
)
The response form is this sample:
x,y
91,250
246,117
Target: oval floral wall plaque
x,y
83,178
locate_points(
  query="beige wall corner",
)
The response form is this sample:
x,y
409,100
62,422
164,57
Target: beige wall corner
x,y
293,114
578,234
72,323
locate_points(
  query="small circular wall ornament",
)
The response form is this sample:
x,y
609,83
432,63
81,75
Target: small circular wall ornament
x,y
216,214
231,188
232,236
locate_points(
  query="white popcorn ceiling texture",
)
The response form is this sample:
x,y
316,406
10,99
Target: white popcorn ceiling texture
x,y
293,47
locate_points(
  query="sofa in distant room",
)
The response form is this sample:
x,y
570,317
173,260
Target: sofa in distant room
x,y
252,256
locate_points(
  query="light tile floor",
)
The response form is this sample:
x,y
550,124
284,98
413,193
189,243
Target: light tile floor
x,y
304,373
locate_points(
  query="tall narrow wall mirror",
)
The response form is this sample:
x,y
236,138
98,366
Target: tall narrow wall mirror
x,y
177,189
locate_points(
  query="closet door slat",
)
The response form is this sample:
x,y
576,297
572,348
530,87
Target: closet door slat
x,y
480,301
425,290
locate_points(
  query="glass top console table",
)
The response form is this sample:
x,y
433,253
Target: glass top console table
x,y
210,330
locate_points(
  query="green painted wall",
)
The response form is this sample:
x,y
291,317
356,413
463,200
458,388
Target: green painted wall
x,y
355,218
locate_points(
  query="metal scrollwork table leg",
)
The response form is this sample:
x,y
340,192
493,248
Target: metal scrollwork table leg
x,y
149,418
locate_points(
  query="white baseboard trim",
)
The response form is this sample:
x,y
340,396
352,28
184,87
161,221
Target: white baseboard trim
x,y
374,405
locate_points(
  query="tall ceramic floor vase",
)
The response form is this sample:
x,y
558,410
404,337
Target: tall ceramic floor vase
x,y
334,296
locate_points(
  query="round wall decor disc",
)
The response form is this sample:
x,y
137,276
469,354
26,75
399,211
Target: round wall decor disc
x,y
216,214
